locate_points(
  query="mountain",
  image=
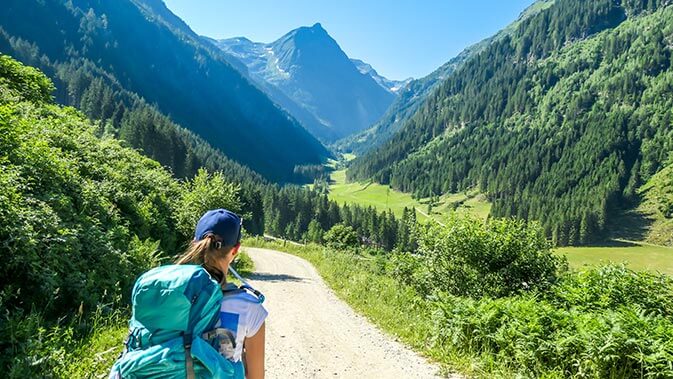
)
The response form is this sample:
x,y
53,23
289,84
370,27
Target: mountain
x,y
393,86
318,83
414,92
141,47
560,120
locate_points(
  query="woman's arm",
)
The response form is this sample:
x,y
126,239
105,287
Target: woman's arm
x,y
254,355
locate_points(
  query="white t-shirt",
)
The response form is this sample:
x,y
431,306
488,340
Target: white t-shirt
x,y
242,315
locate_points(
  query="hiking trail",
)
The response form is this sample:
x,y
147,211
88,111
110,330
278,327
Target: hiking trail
x,y
310,333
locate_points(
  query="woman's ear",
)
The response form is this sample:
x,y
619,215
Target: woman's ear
x,y
234,250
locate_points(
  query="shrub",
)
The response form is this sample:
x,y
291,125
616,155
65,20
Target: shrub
x,y
535,337
202,193
341,237
495,258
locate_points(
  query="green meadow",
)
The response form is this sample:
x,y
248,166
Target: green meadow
x,y
637,256
383,197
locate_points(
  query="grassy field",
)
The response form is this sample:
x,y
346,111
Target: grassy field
x,y
382,197
637,256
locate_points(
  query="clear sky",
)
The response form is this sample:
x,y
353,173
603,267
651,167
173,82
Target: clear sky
x,y
399,38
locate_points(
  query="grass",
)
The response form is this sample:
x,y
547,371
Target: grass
x,y
637,256
383,197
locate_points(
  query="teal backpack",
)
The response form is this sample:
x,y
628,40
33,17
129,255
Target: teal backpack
x,y
173,306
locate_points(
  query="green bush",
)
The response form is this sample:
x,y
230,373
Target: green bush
x,y
596,337
341,237
612,287
202,193
497,258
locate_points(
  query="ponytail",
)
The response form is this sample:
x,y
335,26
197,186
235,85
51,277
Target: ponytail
x,y
205,252
198,252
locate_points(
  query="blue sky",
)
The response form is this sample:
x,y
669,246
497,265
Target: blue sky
x,y
399,38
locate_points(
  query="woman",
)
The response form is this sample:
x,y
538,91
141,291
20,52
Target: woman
x,y
216,243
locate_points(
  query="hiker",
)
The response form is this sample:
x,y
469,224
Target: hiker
x,y
241,326
188,322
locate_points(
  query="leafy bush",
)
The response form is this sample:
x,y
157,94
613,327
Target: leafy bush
x,y
581,330
244,264
613,287
497,258
341,237
202,193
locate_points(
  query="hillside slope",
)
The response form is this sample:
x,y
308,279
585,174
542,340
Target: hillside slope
x,y
658,204
560,121
141,45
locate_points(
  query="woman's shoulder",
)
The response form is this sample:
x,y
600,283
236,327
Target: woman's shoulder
x,y
241,298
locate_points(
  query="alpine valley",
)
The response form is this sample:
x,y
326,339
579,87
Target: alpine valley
x,y
562,119
136,52
509,215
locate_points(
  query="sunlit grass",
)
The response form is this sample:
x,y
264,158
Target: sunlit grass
x,y
636,256
383,198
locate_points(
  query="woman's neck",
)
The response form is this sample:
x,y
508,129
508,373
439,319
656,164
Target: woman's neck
x,y
217,273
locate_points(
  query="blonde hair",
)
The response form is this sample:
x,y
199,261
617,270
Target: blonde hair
x,y
204,252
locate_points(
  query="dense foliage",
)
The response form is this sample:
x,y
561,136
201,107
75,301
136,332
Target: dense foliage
x,y
467,258
81,216
341,237
538,337
560,121
99,50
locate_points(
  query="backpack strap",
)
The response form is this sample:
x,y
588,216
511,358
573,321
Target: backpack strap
x,y
245,286
189,362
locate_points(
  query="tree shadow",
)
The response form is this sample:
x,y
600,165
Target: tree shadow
x,y
624,226
630,224
272,278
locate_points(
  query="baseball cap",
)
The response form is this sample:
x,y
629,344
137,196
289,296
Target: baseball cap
x,y
221,222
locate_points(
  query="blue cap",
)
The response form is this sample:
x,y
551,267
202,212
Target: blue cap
x,y
221,222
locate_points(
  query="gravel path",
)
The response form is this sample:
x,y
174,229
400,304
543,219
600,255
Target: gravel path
x,y
312,334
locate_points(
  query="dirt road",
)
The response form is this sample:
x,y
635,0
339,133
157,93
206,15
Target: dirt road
x,y
313,334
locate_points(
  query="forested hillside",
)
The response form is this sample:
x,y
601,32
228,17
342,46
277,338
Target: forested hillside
x,y
560,121
413,95
138,47
80,217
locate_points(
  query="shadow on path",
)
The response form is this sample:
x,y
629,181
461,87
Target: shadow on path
x,y
268,277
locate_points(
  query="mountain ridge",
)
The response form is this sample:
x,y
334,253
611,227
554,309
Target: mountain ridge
x,y
309,67
415,92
